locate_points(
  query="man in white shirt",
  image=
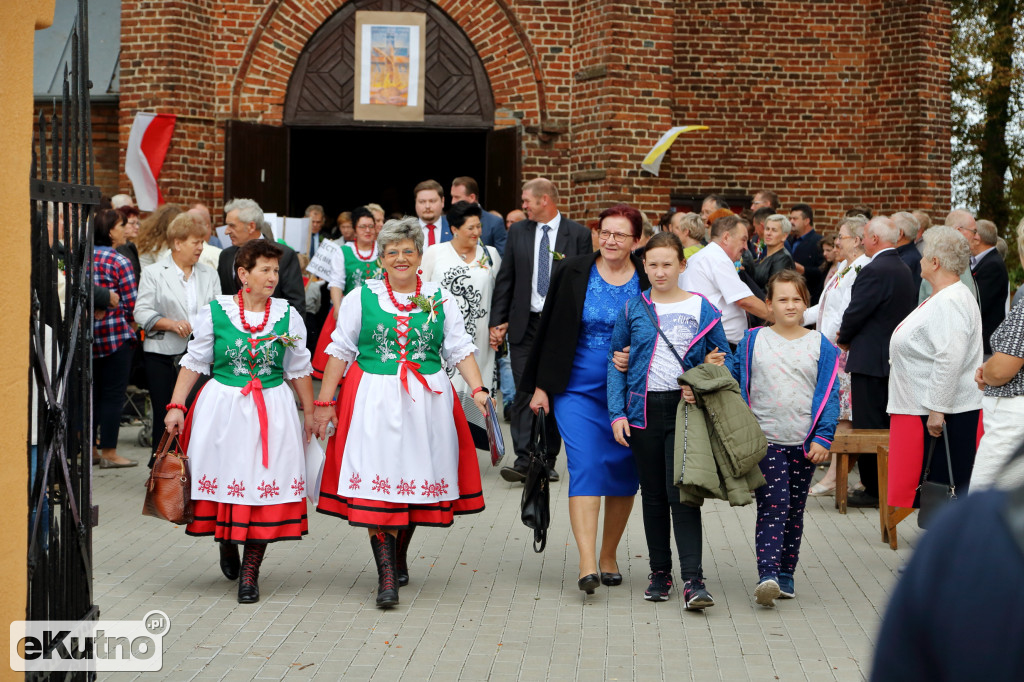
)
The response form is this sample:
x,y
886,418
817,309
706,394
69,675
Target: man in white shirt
x,y
712,273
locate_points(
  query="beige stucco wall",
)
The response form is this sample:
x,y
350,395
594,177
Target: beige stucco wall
x,y
18,22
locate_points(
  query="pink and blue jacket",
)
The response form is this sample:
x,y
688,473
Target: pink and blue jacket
x,y
824,404
627,392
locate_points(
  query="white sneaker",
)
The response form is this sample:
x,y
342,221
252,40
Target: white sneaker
x,y
767,591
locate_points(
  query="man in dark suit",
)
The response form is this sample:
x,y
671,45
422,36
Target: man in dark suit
x,y
905,247
882,295
989,270
806,252
245,222
534,248
429,196
493,232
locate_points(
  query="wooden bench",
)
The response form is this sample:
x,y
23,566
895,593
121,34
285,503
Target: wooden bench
x,y
888,517
854,442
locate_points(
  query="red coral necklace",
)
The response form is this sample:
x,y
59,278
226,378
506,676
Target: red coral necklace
x,y
241,314
402,307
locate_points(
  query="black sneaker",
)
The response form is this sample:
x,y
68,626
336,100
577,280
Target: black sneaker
x,y
661,585
696,596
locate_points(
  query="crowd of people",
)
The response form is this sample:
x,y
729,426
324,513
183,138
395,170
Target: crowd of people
x,y
710,357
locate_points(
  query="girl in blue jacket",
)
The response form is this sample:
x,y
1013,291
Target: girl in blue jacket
x,y
642,405
788,376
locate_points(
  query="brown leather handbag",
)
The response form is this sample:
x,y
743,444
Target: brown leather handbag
x,y
169,488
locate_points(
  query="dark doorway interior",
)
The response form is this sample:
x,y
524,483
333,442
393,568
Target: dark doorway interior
x,y
344,168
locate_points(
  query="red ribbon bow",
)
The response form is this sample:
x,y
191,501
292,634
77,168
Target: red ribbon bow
x,y
407,367
255,386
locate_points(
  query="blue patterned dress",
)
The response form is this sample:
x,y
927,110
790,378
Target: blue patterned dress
x,y
597,464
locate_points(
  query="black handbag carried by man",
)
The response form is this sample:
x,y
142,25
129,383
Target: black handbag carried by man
x,y
536,505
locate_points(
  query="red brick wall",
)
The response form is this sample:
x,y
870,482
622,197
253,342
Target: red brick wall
x,y
106,166
851,107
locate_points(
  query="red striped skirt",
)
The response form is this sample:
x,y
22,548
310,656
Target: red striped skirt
x,y
241,523
381,513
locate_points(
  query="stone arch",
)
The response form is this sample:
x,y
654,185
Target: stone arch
x,y
259,90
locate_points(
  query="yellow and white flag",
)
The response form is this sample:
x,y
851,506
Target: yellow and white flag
x,y
652,162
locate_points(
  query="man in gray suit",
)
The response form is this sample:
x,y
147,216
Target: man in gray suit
x,y
533,249
245,222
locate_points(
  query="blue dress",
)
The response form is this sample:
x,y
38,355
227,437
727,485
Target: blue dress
x,y
598,465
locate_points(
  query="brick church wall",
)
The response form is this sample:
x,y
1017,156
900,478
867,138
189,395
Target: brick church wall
x,y
833,103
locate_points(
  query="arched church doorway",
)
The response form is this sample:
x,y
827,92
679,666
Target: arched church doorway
x,y
324,155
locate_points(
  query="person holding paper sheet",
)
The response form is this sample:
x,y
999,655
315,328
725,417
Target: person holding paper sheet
x,y
246,443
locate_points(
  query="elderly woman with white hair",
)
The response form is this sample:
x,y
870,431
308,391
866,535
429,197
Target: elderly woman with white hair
x,y
775,258
403,454
934,353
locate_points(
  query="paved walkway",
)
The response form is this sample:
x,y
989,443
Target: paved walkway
x,y
482,605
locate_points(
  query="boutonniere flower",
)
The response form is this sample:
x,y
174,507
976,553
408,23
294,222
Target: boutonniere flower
x,y
485,261
428,305
556,255
286,340
856,270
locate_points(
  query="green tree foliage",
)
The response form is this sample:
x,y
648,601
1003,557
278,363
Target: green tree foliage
x,y
987,78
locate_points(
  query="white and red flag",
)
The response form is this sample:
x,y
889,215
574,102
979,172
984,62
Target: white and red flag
x,y
147,147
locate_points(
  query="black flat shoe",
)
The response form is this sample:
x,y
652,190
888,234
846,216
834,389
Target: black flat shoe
x,y
514,474
588,583
552,474
229,561
611,579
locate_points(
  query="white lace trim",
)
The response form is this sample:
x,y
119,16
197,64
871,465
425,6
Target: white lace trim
x,y
278,307
461,354
301,373
188,363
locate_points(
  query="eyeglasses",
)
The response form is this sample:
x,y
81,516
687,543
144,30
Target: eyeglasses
x,y
967,229
844,236
619,237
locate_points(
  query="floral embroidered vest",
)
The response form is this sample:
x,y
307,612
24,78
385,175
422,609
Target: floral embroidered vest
x,y
358,270
388,338
236,361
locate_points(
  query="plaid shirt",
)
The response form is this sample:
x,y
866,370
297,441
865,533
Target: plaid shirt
x,y
113,271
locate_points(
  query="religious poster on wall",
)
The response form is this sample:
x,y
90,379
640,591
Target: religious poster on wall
x,y
389,66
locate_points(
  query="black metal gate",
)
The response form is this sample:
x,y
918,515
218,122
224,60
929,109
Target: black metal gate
x,y
61,515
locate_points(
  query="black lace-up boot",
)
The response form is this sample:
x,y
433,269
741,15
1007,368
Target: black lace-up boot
x,y
248,585
383,545
402,556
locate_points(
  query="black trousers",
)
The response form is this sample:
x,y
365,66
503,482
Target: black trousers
x,y
109,386
653,450
162,376
869,398
522,416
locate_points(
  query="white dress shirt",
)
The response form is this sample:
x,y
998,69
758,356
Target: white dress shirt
x,y
711,272
536,300
191,306
426,232
878,253
835,297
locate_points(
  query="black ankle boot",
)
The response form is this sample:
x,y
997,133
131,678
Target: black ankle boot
x,y
402,555
383,545
248,582
229,561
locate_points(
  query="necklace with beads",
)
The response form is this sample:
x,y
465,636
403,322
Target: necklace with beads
x,y
355,247
402,307
241,314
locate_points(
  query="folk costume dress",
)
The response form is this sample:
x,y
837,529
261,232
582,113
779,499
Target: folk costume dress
x,y
472,285
403,454
347,273
244,437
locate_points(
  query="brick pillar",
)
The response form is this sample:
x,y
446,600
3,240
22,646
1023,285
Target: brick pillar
x,y
622,103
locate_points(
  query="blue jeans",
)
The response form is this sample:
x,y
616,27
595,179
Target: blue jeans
x,y
505,380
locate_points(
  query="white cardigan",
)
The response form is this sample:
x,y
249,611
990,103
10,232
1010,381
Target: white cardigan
x,y
827,316
161,294
934,353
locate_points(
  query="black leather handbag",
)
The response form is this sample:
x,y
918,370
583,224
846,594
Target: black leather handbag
x,y
934,495
536,504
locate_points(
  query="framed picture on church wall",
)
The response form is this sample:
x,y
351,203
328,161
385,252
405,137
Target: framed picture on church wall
x,y
390,49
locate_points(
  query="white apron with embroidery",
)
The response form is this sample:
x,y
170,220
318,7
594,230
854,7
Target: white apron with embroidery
x,y
402,445
225,446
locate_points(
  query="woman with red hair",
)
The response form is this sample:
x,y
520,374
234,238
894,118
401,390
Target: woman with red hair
x,y
568,369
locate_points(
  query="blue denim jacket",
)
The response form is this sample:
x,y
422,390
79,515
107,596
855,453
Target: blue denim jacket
x,y
824,405
627,392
